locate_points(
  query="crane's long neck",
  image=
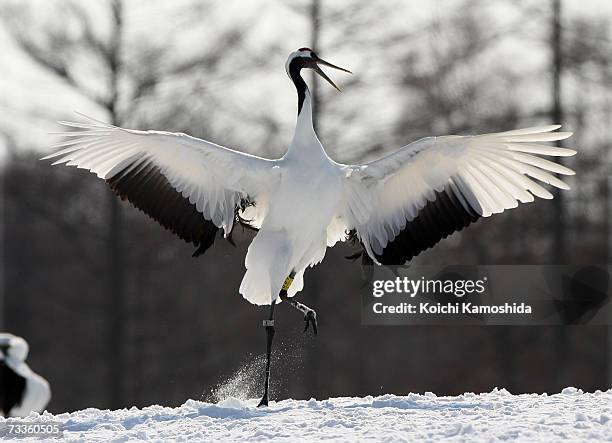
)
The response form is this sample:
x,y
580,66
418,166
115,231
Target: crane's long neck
x,y
304,130
300,85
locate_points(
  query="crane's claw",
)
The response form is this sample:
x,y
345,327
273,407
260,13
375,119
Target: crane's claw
x,y
311,317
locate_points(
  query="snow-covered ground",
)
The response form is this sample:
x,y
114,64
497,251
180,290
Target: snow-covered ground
x,y
497,415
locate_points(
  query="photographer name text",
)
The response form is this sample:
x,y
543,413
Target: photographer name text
x,y
432,288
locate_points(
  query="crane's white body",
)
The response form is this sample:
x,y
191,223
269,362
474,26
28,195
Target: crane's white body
x,y
305,202
294,233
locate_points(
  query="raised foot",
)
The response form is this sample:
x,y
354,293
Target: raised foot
x,y
263,401
310,317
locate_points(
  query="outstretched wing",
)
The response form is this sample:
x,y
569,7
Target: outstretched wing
x,y
408,201
190,186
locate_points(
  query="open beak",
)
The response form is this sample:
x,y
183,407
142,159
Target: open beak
x,y
319,71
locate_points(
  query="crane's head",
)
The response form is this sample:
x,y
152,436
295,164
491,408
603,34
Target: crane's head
x,y
13,346
306,58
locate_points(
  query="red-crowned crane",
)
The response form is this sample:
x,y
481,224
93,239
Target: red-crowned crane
x,y
305,202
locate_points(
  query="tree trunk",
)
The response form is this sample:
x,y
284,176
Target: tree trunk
x,y
558,213
115,253
315,23
556,116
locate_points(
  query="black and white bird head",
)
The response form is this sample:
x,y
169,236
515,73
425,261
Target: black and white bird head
x,y
13,347
21,390
306,58
13,384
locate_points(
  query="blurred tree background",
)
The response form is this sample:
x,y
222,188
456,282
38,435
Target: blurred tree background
x,y
117,312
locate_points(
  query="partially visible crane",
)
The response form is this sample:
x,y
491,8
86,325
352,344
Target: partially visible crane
x,y
21,390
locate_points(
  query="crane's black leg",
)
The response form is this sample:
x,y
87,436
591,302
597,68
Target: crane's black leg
x,y
310,316
269,325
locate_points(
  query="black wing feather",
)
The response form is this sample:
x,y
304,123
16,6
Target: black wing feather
x,y
151,192
445,214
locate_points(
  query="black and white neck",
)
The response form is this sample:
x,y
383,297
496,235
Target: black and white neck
x,y
298,60
305,138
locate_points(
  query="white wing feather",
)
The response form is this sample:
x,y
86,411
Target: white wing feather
x,y
494,172
212,177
